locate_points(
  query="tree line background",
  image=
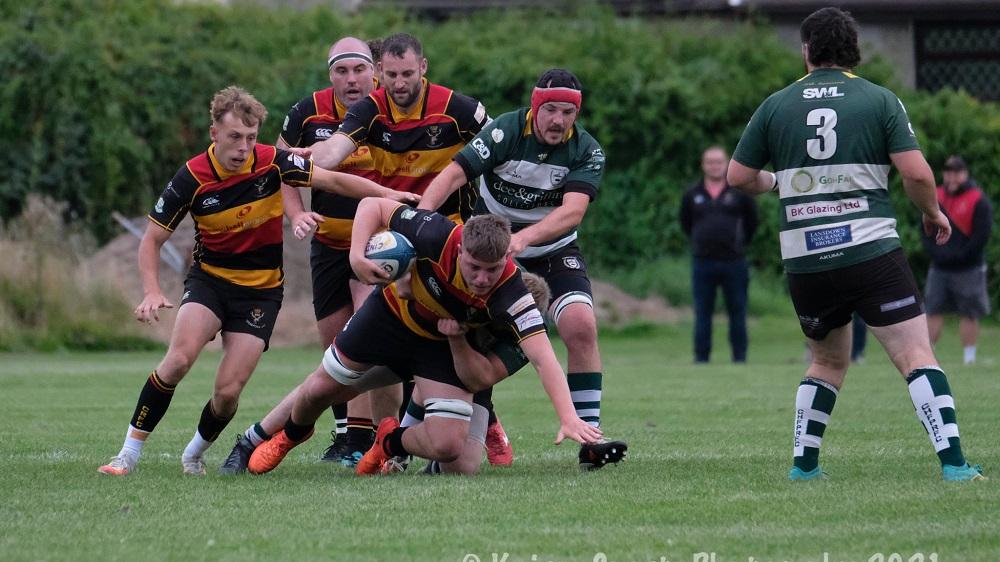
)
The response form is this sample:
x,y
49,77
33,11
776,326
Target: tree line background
x,y
101,101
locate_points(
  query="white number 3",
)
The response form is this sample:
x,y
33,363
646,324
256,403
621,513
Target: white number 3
x,y
824,144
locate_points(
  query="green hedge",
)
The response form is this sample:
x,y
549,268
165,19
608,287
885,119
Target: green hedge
x,y
101,101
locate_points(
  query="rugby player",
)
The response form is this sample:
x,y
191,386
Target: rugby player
x,y
832,137
462,273
232,191
541,170
335,290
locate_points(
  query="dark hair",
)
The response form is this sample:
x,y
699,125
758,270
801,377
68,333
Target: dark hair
x,y
559,78
832,37
375,46
399,43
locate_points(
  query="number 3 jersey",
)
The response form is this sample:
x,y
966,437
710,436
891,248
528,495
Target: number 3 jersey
x,y
829,136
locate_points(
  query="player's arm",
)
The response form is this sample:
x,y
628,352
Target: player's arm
x,y
302,221
538,349
750,180
357,187
149,269
373,214
918,183
564,218
442,186
475,370
332,151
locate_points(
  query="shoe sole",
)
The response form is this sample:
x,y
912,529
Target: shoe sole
x,y
613,453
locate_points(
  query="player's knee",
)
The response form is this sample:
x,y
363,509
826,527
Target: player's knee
x,y
448,423
175,365
333,365
569,307
226,397
579,331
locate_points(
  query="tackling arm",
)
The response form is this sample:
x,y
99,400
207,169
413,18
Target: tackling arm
x,y
331,152
566,217
446,182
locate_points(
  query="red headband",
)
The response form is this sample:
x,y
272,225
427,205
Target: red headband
x,y
544,95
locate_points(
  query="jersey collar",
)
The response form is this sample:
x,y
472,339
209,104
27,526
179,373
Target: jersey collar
x,y
529,124
417,109
224,173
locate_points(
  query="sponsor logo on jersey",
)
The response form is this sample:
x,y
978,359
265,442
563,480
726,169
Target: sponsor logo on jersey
x,y
557,176
434,132
185,296
284,125
297,161
480,114
324,133
817,209
170,187
825,237
529,320
407,214
244,211
255,317
432,284
820,93
802,181
497,135
520,305
480,148
210,201
542,156
159,205
386,138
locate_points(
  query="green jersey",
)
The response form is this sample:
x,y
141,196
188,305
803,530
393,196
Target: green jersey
x,y
829,136
524,180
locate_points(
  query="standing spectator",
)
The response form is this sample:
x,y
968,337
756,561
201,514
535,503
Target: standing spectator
x,y
720,222
956,281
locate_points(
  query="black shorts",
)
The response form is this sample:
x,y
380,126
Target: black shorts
x,y
331,274
565,271
240,309
881,290
376,337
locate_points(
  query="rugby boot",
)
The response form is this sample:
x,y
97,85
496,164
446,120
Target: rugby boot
x,y
269,454
239,457
498,449
193,466
119,466
967,473
796,474
358,441
371,463
594,456
337,449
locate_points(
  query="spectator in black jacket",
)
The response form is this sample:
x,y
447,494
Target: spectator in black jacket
x,y
720,222
956,282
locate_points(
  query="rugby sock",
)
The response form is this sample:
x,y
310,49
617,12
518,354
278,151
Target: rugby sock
x,y
392,445
297,432
414,414
813,405
211,424
585,390
969,355
935,409
493,415
340,417
154,399
362,425
256,434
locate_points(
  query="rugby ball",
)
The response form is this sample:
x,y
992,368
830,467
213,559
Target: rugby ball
x,y
392,252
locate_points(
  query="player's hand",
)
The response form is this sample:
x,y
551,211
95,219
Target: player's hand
x,y
517,245
402,196
451,328
148,309
403,287
304,223
579,431
368,272
304,152
938,226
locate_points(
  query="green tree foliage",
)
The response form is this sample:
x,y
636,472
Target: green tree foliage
x,y
102,100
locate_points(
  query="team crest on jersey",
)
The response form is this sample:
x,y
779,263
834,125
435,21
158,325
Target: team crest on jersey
x,y
571,262
434,132
497,135
261,184
255,317
542,156
557,176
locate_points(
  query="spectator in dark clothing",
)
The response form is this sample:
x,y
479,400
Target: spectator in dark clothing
x,y
956,282
720,222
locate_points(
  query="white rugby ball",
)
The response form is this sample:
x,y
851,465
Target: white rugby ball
x,y
392,252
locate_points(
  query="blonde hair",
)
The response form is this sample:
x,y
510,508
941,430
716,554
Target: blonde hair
x,y
241,103
486,237
539,289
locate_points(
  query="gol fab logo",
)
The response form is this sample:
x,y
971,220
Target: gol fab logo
x,y
244,211
802,181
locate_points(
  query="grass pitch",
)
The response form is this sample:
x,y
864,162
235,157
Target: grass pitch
x,y
705,480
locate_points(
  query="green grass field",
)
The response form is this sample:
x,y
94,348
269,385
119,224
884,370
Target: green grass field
x,y
709,454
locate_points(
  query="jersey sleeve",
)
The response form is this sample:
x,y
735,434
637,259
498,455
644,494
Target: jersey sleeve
x,y
898,130
359,119
512,306
485,152
585,176
426,230
291,128
469,113
294,169
175,201
486,340
752,149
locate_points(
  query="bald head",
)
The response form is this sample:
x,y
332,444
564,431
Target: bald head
x,y
351,70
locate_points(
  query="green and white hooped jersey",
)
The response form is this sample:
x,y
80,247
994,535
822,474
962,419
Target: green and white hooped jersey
x,y
829,136
524,180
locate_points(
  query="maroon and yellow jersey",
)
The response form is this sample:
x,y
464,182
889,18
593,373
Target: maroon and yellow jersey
x,y
410,149
237,215
440,291
313,119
